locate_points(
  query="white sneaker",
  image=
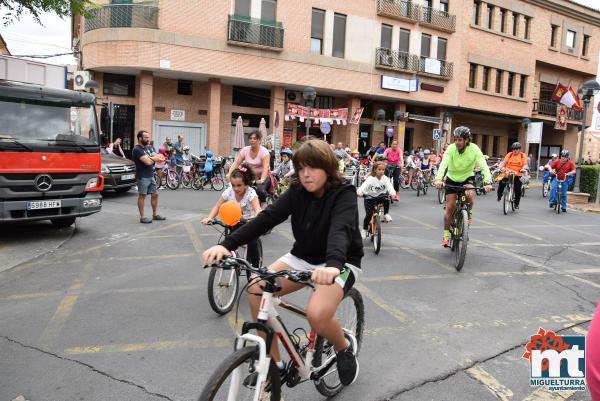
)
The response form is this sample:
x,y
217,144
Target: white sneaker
x,y
387,218
363,233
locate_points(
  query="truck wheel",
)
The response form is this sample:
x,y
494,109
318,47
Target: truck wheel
x,y
122,190
63,222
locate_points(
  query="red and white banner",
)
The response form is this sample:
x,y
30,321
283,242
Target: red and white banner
x,y
567,96
561,117
339,116
357,115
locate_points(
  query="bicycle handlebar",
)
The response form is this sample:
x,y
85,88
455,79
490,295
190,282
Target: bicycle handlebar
x,y
301,277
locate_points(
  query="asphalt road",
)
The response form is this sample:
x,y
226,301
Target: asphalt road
x,y
117,310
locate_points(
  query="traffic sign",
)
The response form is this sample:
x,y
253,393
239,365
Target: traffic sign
x,y
325,128
437,134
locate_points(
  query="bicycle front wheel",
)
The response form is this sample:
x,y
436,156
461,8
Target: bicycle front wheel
x,y
545,189
217,182
351,314
558,200
229,377
505,201
222,289
512,198
377,234
461,240
441,196
172,180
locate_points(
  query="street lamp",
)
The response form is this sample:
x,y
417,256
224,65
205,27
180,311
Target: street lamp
x,y
309,94
585,93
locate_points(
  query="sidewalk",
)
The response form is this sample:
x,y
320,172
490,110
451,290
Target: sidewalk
x,y
586,207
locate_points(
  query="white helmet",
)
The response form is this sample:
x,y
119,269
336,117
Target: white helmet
x,y
186,148
554,155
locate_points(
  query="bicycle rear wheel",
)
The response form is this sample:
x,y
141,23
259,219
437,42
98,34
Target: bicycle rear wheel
x,y
419,186
197,182
403,180
414,183
223,288
441,196
231,374
376,234
351,313
217,182
425,185
172,180
157,180
461,240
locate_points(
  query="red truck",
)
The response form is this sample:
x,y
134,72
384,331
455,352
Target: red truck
x,y
49,154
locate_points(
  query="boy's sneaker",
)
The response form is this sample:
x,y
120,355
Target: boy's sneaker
x,y
563,210
347,364
363,233
387,218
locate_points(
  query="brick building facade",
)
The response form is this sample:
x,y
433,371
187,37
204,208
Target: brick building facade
x,y
180,66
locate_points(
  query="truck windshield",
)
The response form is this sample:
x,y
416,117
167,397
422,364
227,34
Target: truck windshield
x,y
23,122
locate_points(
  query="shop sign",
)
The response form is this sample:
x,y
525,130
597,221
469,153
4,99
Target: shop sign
x,y
399,84
364,135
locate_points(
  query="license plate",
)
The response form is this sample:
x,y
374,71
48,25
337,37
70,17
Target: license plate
x,y
43,205
127,177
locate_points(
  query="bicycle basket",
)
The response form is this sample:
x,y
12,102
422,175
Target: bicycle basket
x,y
186,169
524,180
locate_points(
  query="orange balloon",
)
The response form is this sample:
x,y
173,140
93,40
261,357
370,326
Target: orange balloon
x,y
230,213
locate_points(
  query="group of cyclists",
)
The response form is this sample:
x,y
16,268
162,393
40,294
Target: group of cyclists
x,y
325,219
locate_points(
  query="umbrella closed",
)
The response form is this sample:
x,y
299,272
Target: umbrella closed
x,y
238,138
262,128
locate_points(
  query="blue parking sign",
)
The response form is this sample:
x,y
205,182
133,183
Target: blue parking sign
x,y
437,134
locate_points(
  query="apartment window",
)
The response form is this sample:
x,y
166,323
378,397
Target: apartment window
x,y
184,87
242,7
484,144
527,27
586,45
444,6
386,36
495,144
316,31
515,24
522,86
553,36
118,85
486,78
511,82
546,91
268,10
472,75
490,16
499,77
339,35
502,20
441,49
476,6
251,97
404,40
425,45
571,39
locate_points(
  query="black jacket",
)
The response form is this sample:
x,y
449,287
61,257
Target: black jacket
x,y
325,229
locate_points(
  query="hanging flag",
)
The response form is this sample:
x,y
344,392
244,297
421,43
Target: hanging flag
x,y
561,117
356,116
567,96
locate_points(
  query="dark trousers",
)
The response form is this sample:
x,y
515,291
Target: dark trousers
x,y
252,253
370,208
393,171
517,185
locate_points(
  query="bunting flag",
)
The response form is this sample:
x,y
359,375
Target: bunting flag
x,y
339,116
567,96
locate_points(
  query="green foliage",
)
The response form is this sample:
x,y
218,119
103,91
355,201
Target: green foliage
x,y
589,180
13,9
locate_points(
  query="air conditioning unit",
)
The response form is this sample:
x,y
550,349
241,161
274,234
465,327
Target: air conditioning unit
x,y
80,79
385,59
293,97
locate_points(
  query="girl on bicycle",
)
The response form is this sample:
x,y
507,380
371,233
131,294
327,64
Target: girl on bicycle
x,y
242,193
377,184
324,216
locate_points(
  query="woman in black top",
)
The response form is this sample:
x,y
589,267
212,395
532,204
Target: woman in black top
x,y
324,216
269,147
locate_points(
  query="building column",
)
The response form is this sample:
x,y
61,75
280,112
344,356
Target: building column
x,y
504,90
395,37
328,33
277,106
352,130
214,116
522,137
401,128
146,101
479,77
482,13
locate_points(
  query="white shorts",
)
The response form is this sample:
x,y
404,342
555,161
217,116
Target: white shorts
x,y
296,263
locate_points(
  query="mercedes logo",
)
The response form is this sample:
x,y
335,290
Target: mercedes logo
x,y
43,182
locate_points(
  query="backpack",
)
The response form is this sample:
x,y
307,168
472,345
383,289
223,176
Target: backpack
x,y
208,165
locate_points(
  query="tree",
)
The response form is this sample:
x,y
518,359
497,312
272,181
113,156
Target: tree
x,y
63,8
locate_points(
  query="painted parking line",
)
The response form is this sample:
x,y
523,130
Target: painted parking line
x,y
153,346
196,243
382,303
508,229
405,217
501,392
65,308
582,280
150,257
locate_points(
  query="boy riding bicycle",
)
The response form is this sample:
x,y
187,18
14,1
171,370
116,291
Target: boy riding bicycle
x,y
324,216
458,162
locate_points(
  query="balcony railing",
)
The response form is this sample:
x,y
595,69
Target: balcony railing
x,y
399,9
548,108
437,19
396,60
433,66
401,61
250,31
123,16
